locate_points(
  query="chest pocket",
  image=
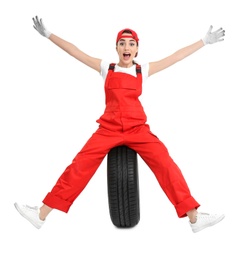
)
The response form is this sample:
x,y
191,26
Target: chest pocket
x,y
119,80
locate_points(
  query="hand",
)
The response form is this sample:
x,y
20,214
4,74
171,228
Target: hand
x,y
38,25
213,37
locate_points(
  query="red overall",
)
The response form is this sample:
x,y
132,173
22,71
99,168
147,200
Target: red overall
x,y
123,123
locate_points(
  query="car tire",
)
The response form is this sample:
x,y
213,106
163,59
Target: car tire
x,y
123,187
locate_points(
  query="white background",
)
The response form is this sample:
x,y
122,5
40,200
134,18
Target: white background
x,y
49,103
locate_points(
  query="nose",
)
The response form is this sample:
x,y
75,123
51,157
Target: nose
x,y
126,46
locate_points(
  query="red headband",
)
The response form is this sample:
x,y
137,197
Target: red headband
x,y
133,35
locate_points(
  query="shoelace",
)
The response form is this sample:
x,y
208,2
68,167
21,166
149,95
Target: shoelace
x,y
32,208
205,215
202,213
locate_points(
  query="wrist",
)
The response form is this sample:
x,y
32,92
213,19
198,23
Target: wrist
x,y
204,41
47,34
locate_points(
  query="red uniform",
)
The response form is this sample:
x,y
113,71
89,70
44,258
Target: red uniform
x,y
123,123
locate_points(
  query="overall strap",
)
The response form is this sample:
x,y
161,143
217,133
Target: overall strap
x,y
112,66
138,67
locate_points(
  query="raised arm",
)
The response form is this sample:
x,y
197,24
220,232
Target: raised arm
x,y
210,38
68,47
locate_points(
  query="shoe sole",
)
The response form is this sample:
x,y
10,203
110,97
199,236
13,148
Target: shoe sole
x,y
209,224
25,216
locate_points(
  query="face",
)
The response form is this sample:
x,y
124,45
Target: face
x,y
127,49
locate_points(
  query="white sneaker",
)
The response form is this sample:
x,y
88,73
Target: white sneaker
x,y
31,214
205,220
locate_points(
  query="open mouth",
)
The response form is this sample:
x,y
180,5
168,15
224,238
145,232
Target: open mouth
x,y
126,55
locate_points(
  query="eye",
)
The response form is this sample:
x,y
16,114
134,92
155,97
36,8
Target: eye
x,y
132,44
121,43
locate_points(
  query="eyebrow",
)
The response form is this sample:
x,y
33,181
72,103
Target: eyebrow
x,y
132,40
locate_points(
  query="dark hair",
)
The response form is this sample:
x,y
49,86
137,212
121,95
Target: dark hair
x,y
127,31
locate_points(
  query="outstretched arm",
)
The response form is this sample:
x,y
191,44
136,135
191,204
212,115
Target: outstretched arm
x,y
68,47
210,38
71,49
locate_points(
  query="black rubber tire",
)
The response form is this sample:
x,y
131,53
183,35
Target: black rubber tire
x,y
123,187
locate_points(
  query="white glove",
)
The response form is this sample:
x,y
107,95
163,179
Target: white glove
x,y
39,26
212,37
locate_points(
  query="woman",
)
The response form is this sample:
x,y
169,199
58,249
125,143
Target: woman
x,y
123,123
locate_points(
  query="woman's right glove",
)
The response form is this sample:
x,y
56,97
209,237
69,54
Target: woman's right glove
x,y
212,37
39,26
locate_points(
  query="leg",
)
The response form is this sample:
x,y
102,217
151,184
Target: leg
x,y
44,211
74,179
192,214
168,174
77,175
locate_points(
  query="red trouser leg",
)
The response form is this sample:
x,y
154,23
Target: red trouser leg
x,y
168,174
149,147
76,176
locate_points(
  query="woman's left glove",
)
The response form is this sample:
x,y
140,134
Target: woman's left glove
x,y
213,37
39,26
